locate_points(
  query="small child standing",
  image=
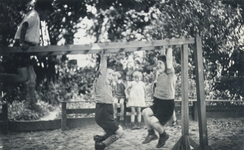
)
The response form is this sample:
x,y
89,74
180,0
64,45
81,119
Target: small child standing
x,y
136,99
119,96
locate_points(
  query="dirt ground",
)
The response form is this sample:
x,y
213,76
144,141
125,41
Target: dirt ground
x,y
223,134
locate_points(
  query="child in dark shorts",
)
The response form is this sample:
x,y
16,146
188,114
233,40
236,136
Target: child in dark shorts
x,y
104,118
104,107
162,109
165,107
157,115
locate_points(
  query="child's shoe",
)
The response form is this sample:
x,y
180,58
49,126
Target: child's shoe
x,y
149,138
99,146
134,127
139,125
100,138
163,138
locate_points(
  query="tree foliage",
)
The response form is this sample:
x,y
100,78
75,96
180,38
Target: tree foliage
x,y
10,16
220,24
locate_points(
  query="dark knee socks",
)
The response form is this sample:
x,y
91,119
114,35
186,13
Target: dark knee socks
x,y
151,132
162,134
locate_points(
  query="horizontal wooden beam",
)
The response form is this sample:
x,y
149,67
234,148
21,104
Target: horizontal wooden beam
x,y
176,100
80,111
93,48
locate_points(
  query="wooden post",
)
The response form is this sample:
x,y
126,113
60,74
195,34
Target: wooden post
x,y
194,111
5,118
185,105
184,142
200,95
64,116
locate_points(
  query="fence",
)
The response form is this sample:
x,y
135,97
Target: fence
x,y
213,111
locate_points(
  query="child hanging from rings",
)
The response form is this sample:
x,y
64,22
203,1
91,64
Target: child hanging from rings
x,y
136,99
104,107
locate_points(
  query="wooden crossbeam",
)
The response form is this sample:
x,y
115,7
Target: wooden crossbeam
x,y
93,48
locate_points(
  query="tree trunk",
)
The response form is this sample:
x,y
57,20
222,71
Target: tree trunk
x,y
30,88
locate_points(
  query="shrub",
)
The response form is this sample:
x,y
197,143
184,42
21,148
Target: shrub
x,y
18,111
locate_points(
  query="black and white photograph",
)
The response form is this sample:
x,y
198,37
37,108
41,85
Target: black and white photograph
x,y
121,74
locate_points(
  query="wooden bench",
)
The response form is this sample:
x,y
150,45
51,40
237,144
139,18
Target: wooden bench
x,y
214,111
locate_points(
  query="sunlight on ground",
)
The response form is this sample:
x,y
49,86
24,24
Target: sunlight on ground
x,y
223,134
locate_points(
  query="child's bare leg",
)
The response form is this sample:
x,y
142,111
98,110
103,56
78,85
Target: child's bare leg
x,y
133,113
174,119
146,115
153,122
115,108
174,116
132,116
122,109
139,114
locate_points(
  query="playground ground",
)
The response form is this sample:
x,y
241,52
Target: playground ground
x,y
223,134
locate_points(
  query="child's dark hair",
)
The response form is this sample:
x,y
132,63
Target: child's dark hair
x,y
162,58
